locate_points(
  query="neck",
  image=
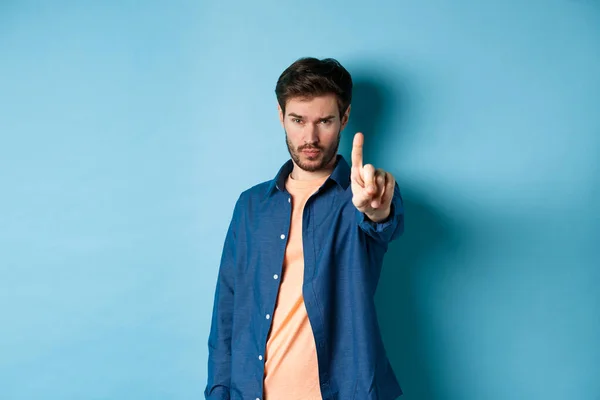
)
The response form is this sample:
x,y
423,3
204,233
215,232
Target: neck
x,y
299,174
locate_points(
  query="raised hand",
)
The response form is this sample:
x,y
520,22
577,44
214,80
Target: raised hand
x,y
372,189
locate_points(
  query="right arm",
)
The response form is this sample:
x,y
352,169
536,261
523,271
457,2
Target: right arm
x,y
219,340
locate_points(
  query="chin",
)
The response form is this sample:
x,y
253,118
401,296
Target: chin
x,y
313,160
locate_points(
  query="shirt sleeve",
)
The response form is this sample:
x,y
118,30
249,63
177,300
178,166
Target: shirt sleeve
x,y
389,229
219,341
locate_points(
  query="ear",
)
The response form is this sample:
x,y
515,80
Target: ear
x,y
346,117
280,114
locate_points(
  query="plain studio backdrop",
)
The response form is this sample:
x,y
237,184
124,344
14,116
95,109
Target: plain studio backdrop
x,y
129,128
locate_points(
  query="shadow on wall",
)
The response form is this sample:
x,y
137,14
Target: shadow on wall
x,y
407,332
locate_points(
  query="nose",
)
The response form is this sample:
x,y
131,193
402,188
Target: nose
x,y
311,133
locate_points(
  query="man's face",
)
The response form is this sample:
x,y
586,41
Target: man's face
x,y
313,130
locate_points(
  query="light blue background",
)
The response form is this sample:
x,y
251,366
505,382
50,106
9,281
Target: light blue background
x,y
129,128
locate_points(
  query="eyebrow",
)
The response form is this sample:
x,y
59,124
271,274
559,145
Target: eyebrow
x,y
320,119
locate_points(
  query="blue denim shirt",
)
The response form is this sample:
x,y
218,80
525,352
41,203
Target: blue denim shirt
x,y
343,255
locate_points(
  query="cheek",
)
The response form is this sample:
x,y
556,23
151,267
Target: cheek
x,y
329,133
294,134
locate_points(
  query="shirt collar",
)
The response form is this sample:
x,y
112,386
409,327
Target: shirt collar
x,y
340,175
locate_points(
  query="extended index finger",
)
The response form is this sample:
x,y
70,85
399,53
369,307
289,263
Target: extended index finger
x,y
357,150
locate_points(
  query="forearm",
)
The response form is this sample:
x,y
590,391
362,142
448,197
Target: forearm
x,y
219,345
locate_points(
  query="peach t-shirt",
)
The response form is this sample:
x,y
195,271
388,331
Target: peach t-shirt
x,y
291,370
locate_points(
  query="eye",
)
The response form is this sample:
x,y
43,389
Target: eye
x,y
326,121
297,120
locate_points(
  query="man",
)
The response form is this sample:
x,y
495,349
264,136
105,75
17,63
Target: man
x,y
294,314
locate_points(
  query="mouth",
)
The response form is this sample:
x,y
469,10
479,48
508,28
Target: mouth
x,y
311,152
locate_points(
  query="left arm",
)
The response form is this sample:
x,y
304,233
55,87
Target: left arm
x,y
389,228
376,196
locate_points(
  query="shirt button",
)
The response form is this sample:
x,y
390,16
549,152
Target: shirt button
x,y
289,200
282,236
260,358
275,276
268,316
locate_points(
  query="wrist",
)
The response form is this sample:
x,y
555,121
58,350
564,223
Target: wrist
x,y
379,216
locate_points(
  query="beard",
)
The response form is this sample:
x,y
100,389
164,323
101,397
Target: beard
x,y
316,163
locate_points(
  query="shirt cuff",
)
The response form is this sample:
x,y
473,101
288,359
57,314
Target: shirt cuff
x,y
378,227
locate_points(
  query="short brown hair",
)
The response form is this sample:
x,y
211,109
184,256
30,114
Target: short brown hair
x,y
310,77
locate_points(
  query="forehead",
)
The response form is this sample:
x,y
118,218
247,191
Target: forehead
x,y
318,106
